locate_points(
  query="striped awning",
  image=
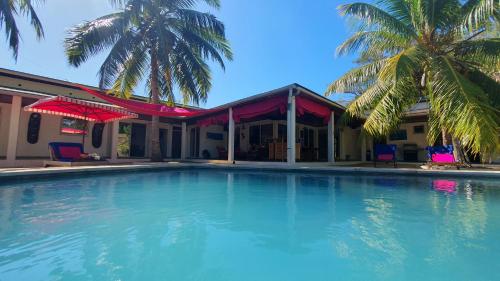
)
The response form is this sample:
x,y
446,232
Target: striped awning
x,y
80,109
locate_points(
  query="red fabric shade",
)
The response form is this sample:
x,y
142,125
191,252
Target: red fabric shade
x,y
147,108
220,119
304,105
259,108
85,110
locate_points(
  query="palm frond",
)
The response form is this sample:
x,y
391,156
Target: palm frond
x,y
462,107
483,52
355,79
117,57
92,37
391,107
476,13
7,13
382,41
372,15
132,71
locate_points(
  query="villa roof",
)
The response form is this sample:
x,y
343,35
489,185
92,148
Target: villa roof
x,y
295,88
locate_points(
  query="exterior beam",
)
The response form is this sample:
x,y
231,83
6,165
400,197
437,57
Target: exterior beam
x,y
230,138
15,114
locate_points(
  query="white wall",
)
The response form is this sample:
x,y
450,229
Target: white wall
x,y
208,144
419,139
50,132
4,127
350,144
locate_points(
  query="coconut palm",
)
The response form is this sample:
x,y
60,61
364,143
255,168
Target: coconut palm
x,y
9,10
165,42
438,51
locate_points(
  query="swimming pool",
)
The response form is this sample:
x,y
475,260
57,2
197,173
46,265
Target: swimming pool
x,y
219,225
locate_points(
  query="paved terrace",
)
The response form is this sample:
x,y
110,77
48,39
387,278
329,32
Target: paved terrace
x,y
341,169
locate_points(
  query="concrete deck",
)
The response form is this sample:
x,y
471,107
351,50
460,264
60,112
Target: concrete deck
x,y
360,168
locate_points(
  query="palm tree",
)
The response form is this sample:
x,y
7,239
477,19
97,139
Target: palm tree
x,y
9,10
163,41
438,51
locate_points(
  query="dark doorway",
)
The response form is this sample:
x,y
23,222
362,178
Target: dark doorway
x,y
163,142
176,142
138,140
323,145
194,143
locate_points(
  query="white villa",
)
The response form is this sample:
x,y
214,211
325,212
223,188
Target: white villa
x,y
256,128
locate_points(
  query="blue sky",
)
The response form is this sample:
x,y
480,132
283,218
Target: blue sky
x,y
275,43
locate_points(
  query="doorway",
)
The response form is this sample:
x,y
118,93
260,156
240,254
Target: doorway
x,y
176,142
138,140
163,142
194,143
322,145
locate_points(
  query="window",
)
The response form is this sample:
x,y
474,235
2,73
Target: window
x,y
261,134
254,138
97,134
307,137
418,129
34,128
398,135
73,126
282,134
124,133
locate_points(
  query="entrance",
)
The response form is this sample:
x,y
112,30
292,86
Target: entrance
x,y
163,142
176,142
138,140
194,143
322,145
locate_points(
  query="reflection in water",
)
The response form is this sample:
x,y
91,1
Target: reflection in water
x,y
214,225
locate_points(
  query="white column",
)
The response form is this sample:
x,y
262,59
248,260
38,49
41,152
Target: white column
x,y
184,141
15,114
230,138
290,127
115,126
331,138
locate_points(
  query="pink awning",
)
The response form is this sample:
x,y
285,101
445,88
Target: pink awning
x,y
220,119
304,105
259,108
147,108
80,109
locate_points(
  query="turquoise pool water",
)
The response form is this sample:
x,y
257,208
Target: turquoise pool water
x,y
216,225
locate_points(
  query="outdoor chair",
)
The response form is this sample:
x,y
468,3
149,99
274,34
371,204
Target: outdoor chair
x,y
441,156
68,154
385,153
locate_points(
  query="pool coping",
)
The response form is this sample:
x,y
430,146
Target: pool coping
x,y
27,174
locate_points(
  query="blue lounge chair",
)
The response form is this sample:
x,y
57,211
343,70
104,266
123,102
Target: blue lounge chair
x,y
441,156
385,153
69,154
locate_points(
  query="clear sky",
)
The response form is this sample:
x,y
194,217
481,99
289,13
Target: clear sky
x,y
275,43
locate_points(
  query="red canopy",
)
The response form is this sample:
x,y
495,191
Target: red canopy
x,y
220,119
304,105
259,108
147,108
86,110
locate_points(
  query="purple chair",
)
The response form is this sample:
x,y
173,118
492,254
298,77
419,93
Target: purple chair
x,y
441,156
385,153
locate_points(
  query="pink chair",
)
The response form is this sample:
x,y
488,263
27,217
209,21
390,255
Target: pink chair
x,y
442,156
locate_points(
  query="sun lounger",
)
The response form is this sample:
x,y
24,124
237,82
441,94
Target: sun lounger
x,y
67,154
441,156
385,153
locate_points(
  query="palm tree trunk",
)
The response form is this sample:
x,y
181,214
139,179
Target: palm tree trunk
x,y
156,155
457,150
444,137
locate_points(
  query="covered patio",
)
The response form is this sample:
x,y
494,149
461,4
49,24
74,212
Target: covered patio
x,y
258,128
